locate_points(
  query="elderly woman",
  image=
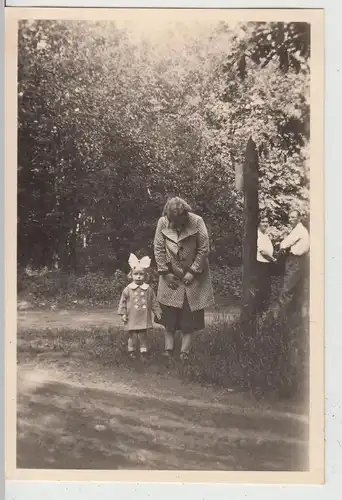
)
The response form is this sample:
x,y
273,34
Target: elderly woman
x,y
181,248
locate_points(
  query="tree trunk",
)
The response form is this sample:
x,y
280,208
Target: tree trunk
x,y
250,230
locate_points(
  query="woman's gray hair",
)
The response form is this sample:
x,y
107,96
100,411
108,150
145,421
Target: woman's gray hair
x,y
176,204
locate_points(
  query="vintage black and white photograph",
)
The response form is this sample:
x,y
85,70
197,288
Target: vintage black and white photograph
x,y
164,235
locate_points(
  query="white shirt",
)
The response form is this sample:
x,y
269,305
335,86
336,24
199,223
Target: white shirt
x,y
298,240
264,245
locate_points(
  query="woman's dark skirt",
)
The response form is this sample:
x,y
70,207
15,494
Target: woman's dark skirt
x,y
182,319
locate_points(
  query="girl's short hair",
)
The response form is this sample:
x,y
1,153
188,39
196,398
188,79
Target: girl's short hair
x,y
176,205
145,271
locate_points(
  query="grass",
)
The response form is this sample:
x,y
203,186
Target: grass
x,y
271,363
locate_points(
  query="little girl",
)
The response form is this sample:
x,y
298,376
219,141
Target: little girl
x,y
137,303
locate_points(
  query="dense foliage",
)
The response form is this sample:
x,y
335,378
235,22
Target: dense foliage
x,y
109,128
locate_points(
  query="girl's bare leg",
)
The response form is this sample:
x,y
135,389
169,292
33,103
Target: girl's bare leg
x,y
132,343
143,342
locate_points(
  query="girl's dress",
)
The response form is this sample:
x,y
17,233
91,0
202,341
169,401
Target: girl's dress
x,y
138,302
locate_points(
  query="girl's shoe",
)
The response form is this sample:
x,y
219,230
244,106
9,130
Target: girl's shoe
x,y
132,355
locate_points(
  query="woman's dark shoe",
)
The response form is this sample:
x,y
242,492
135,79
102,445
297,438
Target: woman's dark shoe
x,y
144,356
184,356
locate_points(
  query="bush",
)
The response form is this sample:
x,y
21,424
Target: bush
x,y
67,289
227,282
98,289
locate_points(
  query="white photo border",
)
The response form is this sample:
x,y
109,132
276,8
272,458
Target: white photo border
x,y
333,284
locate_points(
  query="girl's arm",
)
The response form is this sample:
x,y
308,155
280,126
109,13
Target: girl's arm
x,y
122,309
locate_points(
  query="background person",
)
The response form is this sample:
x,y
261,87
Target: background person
x,y
263,268
296,245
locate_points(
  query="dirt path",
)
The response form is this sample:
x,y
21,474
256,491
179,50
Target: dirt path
x,y
76,413
69,418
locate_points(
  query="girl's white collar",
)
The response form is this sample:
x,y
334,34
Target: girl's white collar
x,y
134,286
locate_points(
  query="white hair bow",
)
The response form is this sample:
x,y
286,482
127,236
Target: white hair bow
x,y
135,263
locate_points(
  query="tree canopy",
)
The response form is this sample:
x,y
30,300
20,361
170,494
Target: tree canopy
x,y
109,128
